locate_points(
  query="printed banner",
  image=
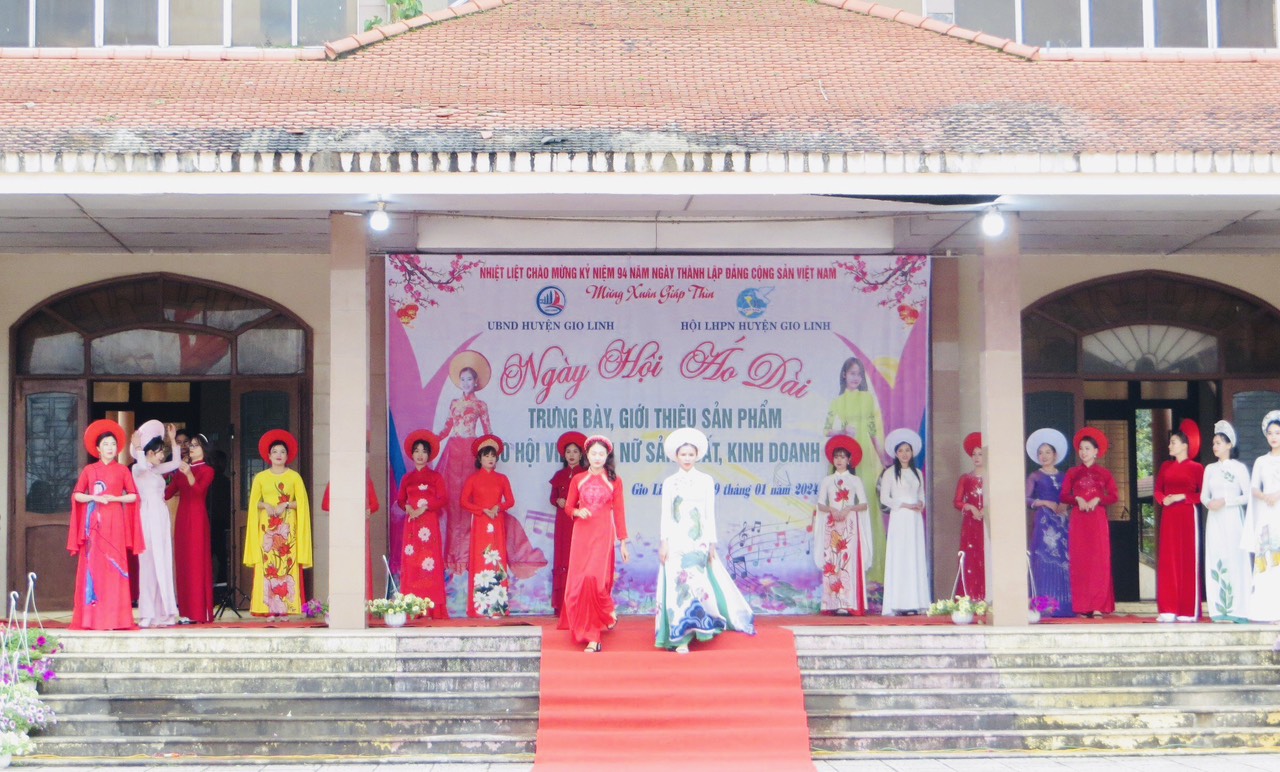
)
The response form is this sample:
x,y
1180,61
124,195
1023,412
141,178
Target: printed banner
x,y
767,355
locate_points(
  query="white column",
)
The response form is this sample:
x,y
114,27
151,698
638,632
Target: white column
x,y
1000,395
348,417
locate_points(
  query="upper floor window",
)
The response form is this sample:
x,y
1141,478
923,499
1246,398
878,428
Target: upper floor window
x,y
255,23
1118,23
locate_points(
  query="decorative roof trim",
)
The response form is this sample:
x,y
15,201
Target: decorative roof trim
x,y
342,46
694,162
1035,53
169,53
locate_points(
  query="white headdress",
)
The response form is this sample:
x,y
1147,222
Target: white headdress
x,y
686,436
1227,430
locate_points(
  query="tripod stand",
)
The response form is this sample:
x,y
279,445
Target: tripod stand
x,y
227,594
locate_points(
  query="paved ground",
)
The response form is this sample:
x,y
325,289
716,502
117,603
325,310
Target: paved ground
x,y
1167,763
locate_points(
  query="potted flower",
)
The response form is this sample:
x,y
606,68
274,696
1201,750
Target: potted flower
x,y
962,609
1041,605
316,609
21,711
399,608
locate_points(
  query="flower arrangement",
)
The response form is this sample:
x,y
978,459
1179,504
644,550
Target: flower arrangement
x,y
490,596
314,609
21,711
961,604
32,652
410,605
1044,604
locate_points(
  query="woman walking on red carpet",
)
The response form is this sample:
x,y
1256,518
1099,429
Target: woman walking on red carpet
x,y
1178,491
570,446
696,596
1090,489
595,500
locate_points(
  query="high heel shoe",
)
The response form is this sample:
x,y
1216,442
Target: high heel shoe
x,y
593,648
614,623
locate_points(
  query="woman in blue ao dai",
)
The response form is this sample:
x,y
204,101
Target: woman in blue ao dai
x,y
1050,567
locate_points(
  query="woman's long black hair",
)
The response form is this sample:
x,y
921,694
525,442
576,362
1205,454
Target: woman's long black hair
x,y
897,462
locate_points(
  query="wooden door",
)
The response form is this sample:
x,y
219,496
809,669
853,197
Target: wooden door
x,y
48,454
257,406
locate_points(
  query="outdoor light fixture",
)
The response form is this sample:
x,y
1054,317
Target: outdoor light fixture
x,y
379,220
993,223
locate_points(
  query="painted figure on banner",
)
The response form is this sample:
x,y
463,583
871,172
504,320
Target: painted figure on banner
x,y
371,507
487,496
192,548
1177,490
596,502
572,461
157,596
1261,535
696,597
1050,553
973,518
105,528
1089,489
277,541
1225,493
906,570
842,530
468,419
855,412
422,496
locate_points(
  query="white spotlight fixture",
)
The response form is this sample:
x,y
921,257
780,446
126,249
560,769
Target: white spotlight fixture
x,y
993,223
379,220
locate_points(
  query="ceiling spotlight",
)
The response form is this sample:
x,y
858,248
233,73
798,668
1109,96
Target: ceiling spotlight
x,y
379,220
993,223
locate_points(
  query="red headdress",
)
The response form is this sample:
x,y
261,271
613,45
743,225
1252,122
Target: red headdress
x,y
972,441
422,435
571,438
487,441
99,428
274,436
1192,430
846,443
1096,435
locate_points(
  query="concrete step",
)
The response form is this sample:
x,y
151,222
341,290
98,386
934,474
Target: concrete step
x,y
1116,637
407,662
298,704
1180,657
1042,678
456,747
283,641
320,683
852,700
882,744
1059,719
338,725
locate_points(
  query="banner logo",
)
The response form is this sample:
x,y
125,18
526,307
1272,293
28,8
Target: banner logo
x,y
551,301
753,301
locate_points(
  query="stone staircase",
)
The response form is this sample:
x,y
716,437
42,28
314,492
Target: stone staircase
x,y
1110,688
207,695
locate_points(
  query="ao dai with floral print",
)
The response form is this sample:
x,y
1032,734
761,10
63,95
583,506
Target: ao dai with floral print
x,y
846,544
696,596
488,586
278,546
1262,537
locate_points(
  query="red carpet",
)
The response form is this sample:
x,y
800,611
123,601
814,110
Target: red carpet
x,y
733,703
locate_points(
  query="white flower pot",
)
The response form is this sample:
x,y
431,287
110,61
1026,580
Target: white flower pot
x,y
962,617
1033,616
5,760
396,619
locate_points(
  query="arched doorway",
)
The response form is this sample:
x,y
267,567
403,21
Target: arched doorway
x,y
1132,355
204,355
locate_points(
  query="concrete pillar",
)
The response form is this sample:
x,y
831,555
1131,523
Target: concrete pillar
x,y
348,417
947,415
1000,396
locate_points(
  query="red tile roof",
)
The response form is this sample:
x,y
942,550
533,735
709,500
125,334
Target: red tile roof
x,y
706,75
